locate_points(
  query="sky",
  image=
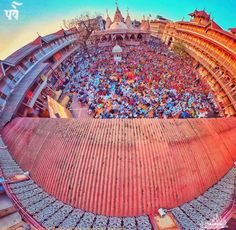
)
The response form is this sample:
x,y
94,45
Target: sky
x,y
46,16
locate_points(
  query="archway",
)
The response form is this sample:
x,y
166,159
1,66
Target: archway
x,y
132,37
119,38
170,41
140,37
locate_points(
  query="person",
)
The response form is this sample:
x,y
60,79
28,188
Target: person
x,y
150,81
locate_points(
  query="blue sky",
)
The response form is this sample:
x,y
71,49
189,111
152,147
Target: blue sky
x,y
45,16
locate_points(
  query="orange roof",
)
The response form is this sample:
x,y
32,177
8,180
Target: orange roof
x,y
24,51
123,167
214,25
233,30
37,41
51,37
70,31
201,13
221,31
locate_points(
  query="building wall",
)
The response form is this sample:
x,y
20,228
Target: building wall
x,y
21,76
214,49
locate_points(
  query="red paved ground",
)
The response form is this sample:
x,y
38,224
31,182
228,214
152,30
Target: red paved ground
x,y
78,110
123,167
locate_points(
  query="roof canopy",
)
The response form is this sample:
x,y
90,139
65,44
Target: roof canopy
x,y
201,14
123,167
21,53
232,30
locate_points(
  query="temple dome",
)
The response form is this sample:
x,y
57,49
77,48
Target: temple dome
x,y
118,26
117,49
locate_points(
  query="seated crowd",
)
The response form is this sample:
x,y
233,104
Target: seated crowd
x,y
150,81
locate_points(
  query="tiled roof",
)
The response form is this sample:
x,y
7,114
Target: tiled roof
x,y
44,211
220,30
214,25
21,53
54,36
233,30
71,31
123,167
209,210
201,13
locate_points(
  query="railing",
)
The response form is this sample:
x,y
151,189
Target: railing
x,y
209,68
220,42
211,52
53,67
132,30
226,89
36,93
132,43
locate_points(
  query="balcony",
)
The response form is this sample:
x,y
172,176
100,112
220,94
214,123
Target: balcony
x,y
210,51
221,43
16,96
36,93
65,56
192,52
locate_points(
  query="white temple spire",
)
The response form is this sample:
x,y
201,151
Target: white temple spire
x,y
128,21
108,21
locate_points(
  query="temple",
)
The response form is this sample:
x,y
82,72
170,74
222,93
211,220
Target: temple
x,y
136,132
122,31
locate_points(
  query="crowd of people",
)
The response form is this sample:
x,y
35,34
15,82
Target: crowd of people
x,y
150,81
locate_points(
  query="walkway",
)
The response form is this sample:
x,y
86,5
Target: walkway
x,y
78,110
